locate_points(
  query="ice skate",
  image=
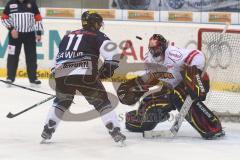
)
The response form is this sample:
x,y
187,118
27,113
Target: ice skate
x,y
116,134
9,82
48,131
35,83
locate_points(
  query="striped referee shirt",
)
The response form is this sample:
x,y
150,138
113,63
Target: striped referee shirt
x,y
24,16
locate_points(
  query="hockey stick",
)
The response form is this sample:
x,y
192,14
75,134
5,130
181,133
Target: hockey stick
x,y
186,106
30,89
11,115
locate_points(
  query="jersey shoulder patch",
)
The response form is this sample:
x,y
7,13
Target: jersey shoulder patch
x,y
174,53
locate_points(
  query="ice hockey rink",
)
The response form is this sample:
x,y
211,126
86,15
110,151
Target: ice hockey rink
x,y
89,140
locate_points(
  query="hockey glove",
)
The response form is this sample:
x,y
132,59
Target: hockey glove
x,y
196,86
131,91
107,69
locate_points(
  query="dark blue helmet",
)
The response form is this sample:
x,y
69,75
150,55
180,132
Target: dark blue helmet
x,y
91,20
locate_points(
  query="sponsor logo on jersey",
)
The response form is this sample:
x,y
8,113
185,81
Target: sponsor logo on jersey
x,y
12,6
175,55
81,64
164,75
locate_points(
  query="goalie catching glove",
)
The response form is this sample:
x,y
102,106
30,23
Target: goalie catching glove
x,y
131,91
107,69
196,86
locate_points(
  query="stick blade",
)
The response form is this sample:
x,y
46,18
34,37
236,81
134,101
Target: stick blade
x,y
10,115
157,134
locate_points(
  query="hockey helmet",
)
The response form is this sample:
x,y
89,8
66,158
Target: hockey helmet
x,y
156,48
91,20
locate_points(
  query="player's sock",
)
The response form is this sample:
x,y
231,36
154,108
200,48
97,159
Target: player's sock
x,y
52,122
110,117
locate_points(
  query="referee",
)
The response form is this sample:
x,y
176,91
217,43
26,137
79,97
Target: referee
x,y
24,22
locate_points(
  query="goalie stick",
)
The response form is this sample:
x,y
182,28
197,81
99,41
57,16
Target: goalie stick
x,y
172,132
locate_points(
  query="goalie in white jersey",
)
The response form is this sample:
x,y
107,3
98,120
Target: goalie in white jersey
x,y
181,78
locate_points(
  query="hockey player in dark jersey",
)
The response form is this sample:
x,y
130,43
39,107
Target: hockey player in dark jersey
x,y
76,69
181,78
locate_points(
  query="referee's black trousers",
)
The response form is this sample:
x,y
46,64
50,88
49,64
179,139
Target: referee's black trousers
x,y
15,45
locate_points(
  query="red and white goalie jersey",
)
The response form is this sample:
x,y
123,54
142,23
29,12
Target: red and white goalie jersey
x,y
174,59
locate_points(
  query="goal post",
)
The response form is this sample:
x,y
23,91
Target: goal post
x,y
223,70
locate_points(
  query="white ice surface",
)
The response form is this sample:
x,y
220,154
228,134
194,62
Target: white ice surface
x,y
20,136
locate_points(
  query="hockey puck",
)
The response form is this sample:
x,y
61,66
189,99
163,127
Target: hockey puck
x,y
140,38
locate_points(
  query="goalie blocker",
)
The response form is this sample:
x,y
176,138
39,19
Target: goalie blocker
x,y
155,107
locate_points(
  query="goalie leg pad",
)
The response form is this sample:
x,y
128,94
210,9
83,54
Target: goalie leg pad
x,y
204,121
199,116
136,123
153,109
178,96
157,100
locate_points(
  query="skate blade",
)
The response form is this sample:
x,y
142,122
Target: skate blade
x,y
45,141
9,85
122,144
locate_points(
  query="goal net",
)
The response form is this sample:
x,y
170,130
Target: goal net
x,y
223,70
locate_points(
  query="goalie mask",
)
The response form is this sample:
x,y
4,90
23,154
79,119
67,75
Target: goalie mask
x,y
91,20
157,45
